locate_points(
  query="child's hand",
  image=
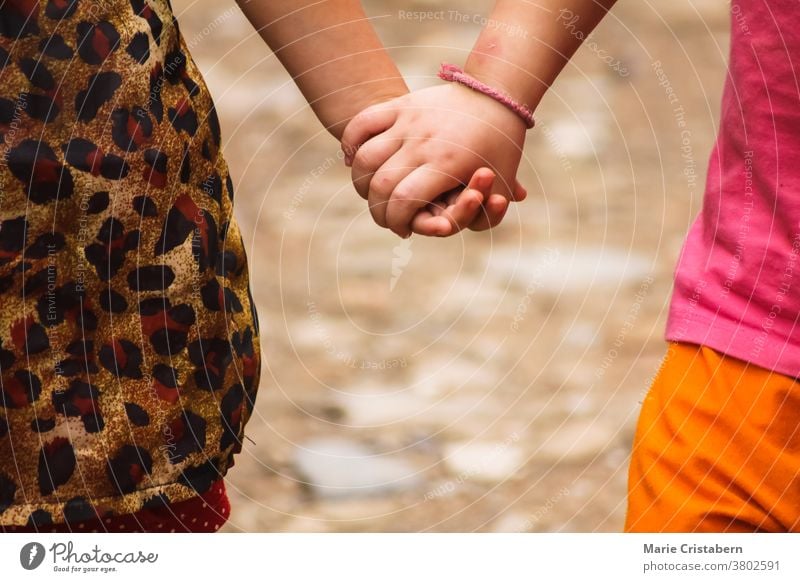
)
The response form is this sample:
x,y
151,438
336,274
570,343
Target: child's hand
x,y
470,207
411,150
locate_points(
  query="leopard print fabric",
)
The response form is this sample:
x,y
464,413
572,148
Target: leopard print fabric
x,y
129,350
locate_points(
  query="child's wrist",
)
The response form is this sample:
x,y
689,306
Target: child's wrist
x,y
506,78
498,94
503,85
348,103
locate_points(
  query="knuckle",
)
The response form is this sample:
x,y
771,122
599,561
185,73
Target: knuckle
x,y
349,148
377,216
365,158
361,117
380,187
448,155
361,183
363,191
402,195
368,114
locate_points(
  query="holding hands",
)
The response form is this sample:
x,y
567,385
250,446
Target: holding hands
x,y
442,159
436,161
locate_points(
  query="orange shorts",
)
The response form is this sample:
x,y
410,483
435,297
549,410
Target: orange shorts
x,y
717,448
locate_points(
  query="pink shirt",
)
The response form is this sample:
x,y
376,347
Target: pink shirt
x,y
737,284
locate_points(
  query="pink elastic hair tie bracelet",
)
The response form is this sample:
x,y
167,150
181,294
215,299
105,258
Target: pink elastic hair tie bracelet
x,y
456,74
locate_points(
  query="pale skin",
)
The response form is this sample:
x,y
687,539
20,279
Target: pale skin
x,y
442,159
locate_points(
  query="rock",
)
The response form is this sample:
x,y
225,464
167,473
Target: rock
x,y
427,405
576,441
580,335
463,293
306,333
581,404
583,138
579,374
373,408
483,461
558,270
352,510
319,333
462,415
303,524
336,468
512,523
441,376
359,296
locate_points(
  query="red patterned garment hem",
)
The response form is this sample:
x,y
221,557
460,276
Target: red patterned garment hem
x,y
204,513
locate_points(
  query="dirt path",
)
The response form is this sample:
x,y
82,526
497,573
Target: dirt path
x,y
489,382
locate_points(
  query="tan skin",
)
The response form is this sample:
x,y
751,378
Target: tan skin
x,y
413,153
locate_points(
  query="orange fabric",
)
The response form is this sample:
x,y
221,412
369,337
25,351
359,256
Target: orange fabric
x,y
717,448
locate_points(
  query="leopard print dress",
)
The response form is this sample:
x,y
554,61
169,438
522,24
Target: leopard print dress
x,y
129,350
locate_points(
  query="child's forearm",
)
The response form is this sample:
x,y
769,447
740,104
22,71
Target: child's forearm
x,y
525,57
331,51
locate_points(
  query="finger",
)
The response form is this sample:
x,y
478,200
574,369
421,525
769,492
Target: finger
x,y
384,182
508,187
366,124
371,156
449,198
483,181
460,208
494,210
413,193
465,207
520,193
465,211
426,223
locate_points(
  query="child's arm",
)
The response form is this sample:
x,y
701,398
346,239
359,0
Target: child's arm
x,y
333,54
447,132
331,51
525,65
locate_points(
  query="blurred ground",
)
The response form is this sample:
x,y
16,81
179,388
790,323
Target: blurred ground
x,y
489,382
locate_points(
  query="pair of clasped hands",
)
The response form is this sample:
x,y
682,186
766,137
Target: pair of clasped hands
x,y
436,161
